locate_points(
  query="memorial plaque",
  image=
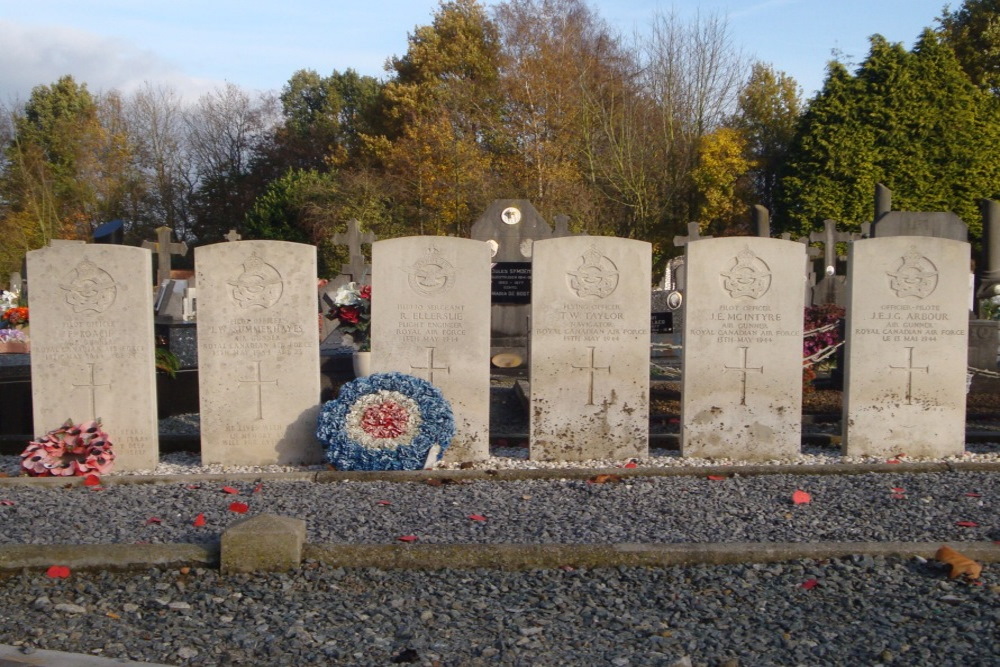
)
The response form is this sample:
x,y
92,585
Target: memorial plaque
x,y
590,317
742,358
511,282
92,345
258,352
907,346
431,319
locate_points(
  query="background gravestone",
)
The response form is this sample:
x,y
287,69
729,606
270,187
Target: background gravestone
x,y
907,339
431,319
590,349
258,352
511,227
92,345
742,359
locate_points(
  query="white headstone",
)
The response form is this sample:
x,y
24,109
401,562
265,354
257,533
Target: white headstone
x,y
590,337
907,343
431,319
742,358
258,352
92,345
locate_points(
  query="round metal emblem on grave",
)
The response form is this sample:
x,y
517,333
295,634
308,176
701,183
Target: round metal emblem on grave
x,y
259,285
511,215
916,276
431,274
595,278
89,288
749,276
674,300
527,246
494,247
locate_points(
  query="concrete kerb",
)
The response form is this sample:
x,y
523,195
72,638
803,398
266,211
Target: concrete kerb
x,y
489,556
506,475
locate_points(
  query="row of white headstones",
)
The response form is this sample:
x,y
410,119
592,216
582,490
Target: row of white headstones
x,y
92,345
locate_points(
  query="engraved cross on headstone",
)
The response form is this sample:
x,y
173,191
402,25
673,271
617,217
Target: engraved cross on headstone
x,y
591,369
910,369
694,234
164,248
743,369
430,367
259,383
356,267
92,385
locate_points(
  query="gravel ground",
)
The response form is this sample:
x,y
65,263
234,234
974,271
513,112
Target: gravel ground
x,y
861,611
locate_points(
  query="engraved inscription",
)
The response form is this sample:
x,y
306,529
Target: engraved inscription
x,y
259,286
908,323
749,277
89,288
916,276
92,385
595,278
743,370
431,274
910,369
259,383
590,369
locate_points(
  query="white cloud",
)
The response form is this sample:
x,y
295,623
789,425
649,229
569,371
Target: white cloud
x,y
38,55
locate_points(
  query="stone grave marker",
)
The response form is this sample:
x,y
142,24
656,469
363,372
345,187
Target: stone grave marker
x,y
431,319
164,248
907,342
742,358
258,352
590,318
92,345
510,227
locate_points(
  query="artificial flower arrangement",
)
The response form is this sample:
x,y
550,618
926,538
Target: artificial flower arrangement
x,y
15,317
8,299
352,309
69,450
14,341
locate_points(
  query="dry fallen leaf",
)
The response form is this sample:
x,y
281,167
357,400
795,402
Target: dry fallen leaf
x,y
960,565
605,479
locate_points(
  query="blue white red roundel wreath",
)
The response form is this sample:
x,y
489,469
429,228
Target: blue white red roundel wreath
x,y
386,421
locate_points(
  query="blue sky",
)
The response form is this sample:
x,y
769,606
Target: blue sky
x,y
197,45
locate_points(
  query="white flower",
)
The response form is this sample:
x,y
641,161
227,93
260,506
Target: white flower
x,y
348,295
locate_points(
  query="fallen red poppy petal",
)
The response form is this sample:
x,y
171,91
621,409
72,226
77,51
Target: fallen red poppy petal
x,y
408,538
383,503
91,480
800,497
239,508
258,488
893,461
897,489
974,495
810,584
8,503
567,568
199,521
477,517
193,486
229,489
966,524
57,572
153,519
716,478
631,464
898,496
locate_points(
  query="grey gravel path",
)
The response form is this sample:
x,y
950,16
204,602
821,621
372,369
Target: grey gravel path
x,y
861,611
875,507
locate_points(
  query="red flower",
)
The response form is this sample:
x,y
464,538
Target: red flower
x,y
349,314
366,292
